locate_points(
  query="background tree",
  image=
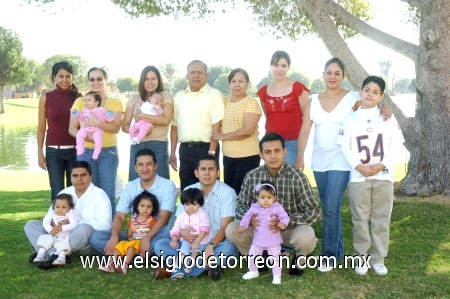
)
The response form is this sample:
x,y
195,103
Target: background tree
x,y
317,86
221,84
401,85
215,71
127,84
168,70
179,84
13,66
32,83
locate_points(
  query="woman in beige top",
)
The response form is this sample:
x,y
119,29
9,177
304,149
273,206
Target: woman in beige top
x,y
150,82
239,133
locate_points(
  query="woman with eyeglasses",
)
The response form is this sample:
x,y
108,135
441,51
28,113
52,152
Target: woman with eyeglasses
x,y
54,107
150,82
104,169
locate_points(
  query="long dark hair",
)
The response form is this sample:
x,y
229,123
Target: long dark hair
x,y
68,67
141,87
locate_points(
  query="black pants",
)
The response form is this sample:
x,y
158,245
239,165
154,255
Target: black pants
x,y
190,153
235,169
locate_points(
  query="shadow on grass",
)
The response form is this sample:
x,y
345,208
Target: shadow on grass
x,y
20,105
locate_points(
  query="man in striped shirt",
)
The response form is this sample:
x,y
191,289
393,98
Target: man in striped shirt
x,y
294,194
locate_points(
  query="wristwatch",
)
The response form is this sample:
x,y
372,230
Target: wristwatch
x,y
211,153
212,244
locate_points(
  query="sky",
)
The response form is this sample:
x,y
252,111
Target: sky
x,y
104,35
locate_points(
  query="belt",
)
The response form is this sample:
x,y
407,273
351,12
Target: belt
x,y
61,146
194,144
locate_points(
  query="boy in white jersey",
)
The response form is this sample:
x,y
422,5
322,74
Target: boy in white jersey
x,y
367,144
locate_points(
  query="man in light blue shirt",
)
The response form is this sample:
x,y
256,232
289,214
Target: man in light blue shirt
x,y
164,190
220,205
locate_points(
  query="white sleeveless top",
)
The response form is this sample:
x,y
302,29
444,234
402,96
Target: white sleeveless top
x,y
327,155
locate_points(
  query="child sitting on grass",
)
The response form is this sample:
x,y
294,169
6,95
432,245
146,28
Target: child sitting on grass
x,y
145,209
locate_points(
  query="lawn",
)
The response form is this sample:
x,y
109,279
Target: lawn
x,y
418,263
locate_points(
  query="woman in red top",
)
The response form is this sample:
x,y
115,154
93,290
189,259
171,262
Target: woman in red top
x,y
53,121
283,101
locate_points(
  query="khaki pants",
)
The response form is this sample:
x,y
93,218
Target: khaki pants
x,y
371,201
301,238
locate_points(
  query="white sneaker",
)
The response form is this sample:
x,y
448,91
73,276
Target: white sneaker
x,y
276,280
108,268
380,269
39,258
324,269
61,260
250,275
361,270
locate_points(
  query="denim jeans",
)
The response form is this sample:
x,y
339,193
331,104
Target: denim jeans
x,y
332,185
59,163
160,148
291,149
104,171
226,248
99,238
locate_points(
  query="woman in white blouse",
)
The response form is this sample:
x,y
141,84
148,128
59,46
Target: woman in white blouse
x,y
331,171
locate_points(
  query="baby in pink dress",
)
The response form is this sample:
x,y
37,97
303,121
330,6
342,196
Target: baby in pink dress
x,y
92,102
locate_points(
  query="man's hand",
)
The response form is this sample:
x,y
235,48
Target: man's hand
x,y
173,162
109,248
145,246
209,251
274,225
255,222
186,234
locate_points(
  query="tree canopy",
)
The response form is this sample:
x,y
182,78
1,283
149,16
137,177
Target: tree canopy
x,y
13,66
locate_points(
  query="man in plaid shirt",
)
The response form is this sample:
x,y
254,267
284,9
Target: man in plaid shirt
x,y
294,194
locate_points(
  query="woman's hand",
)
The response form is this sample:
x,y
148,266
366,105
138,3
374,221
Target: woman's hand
x,y
299,164
91,121
42,162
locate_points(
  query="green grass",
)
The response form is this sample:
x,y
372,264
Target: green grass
x,y
418,263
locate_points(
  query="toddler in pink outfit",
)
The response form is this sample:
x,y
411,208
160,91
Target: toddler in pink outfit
x,y
141,128
266,208
92,102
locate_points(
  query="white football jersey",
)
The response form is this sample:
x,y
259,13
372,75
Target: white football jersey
x,y
367,139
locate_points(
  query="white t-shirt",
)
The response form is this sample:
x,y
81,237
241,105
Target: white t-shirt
x,y
366,139
327,154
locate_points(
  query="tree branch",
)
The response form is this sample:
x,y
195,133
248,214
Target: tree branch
x,y
403,47
414,3
336,45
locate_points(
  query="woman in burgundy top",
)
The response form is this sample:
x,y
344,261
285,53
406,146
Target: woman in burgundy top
x,y
54,115
283,101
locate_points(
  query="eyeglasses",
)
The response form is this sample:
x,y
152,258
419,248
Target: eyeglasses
x,y
99,79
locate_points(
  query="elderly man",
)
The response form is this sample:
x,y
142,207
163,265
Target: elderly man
x,y
198,112
92,208
220,205
145,163
294,193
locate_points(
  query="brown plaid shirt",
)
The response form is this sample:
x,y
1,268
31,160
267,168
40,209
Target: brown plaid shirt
x,y
294,194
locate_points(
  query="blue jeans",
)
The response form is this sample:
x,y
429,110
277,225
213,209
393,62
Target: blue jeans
x,y
162,248
160,148
104,171
291,149
332,185
59,163
99,238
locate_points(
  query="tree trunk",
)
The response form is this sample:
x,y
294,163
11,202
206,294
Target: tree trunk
x,y
2,104
429,164
426,135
